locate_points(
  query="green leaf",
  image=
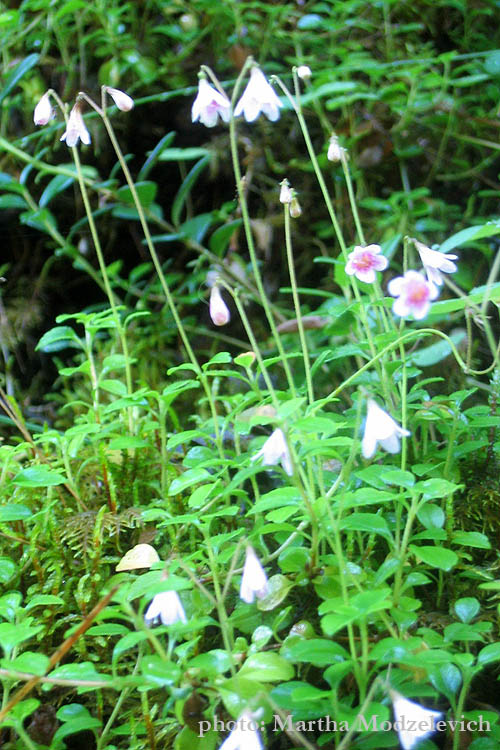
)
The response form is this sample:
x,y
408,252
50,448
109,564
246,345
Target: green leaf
x,y
20,712
431,516
467,608
186,739
447,679
14,513
160,672
436,488
469,235
41,219
57,185
211,663
146,191
187,479
18,73
317,651
436,557
29,662
489,654
38,476
184,154
369,522
220,238
471,539
266,667
398,477
12,201
11,635
60,337
8,569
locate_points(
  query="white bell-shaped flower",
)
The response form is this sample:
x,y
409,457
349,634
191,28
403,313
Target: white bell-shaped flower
x,y
259,96
254,580
380,428
209,105
43,111
167,607
413,722
76,129
245,735
274,451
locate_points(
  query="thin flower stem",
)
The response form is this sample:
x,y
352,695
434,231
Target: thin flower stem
x,y
255,347
251,249
296,105
105,277
296,303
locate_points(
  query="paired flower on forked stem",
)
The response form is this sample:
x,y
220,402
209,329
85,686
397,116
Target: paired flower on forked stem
x,y
254,580
414,721
209,105
435,263
364,261
414,295
274,451
380,428
258,96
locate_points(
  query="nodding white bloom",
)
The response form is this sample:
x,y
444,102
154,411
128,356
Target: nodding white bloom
x,y
76,128
286,194
335,151
380,428
435,262
219,311
259,96
364,261
254,579
209,105
245,735
43,111
167,607
414,295
122,100
274,451
413,722
304,72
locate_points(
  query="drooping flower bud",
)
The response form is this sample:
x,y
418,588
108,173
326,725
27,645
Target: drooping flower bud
x,y
285,193
76,129
43,111
123,101
219,311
